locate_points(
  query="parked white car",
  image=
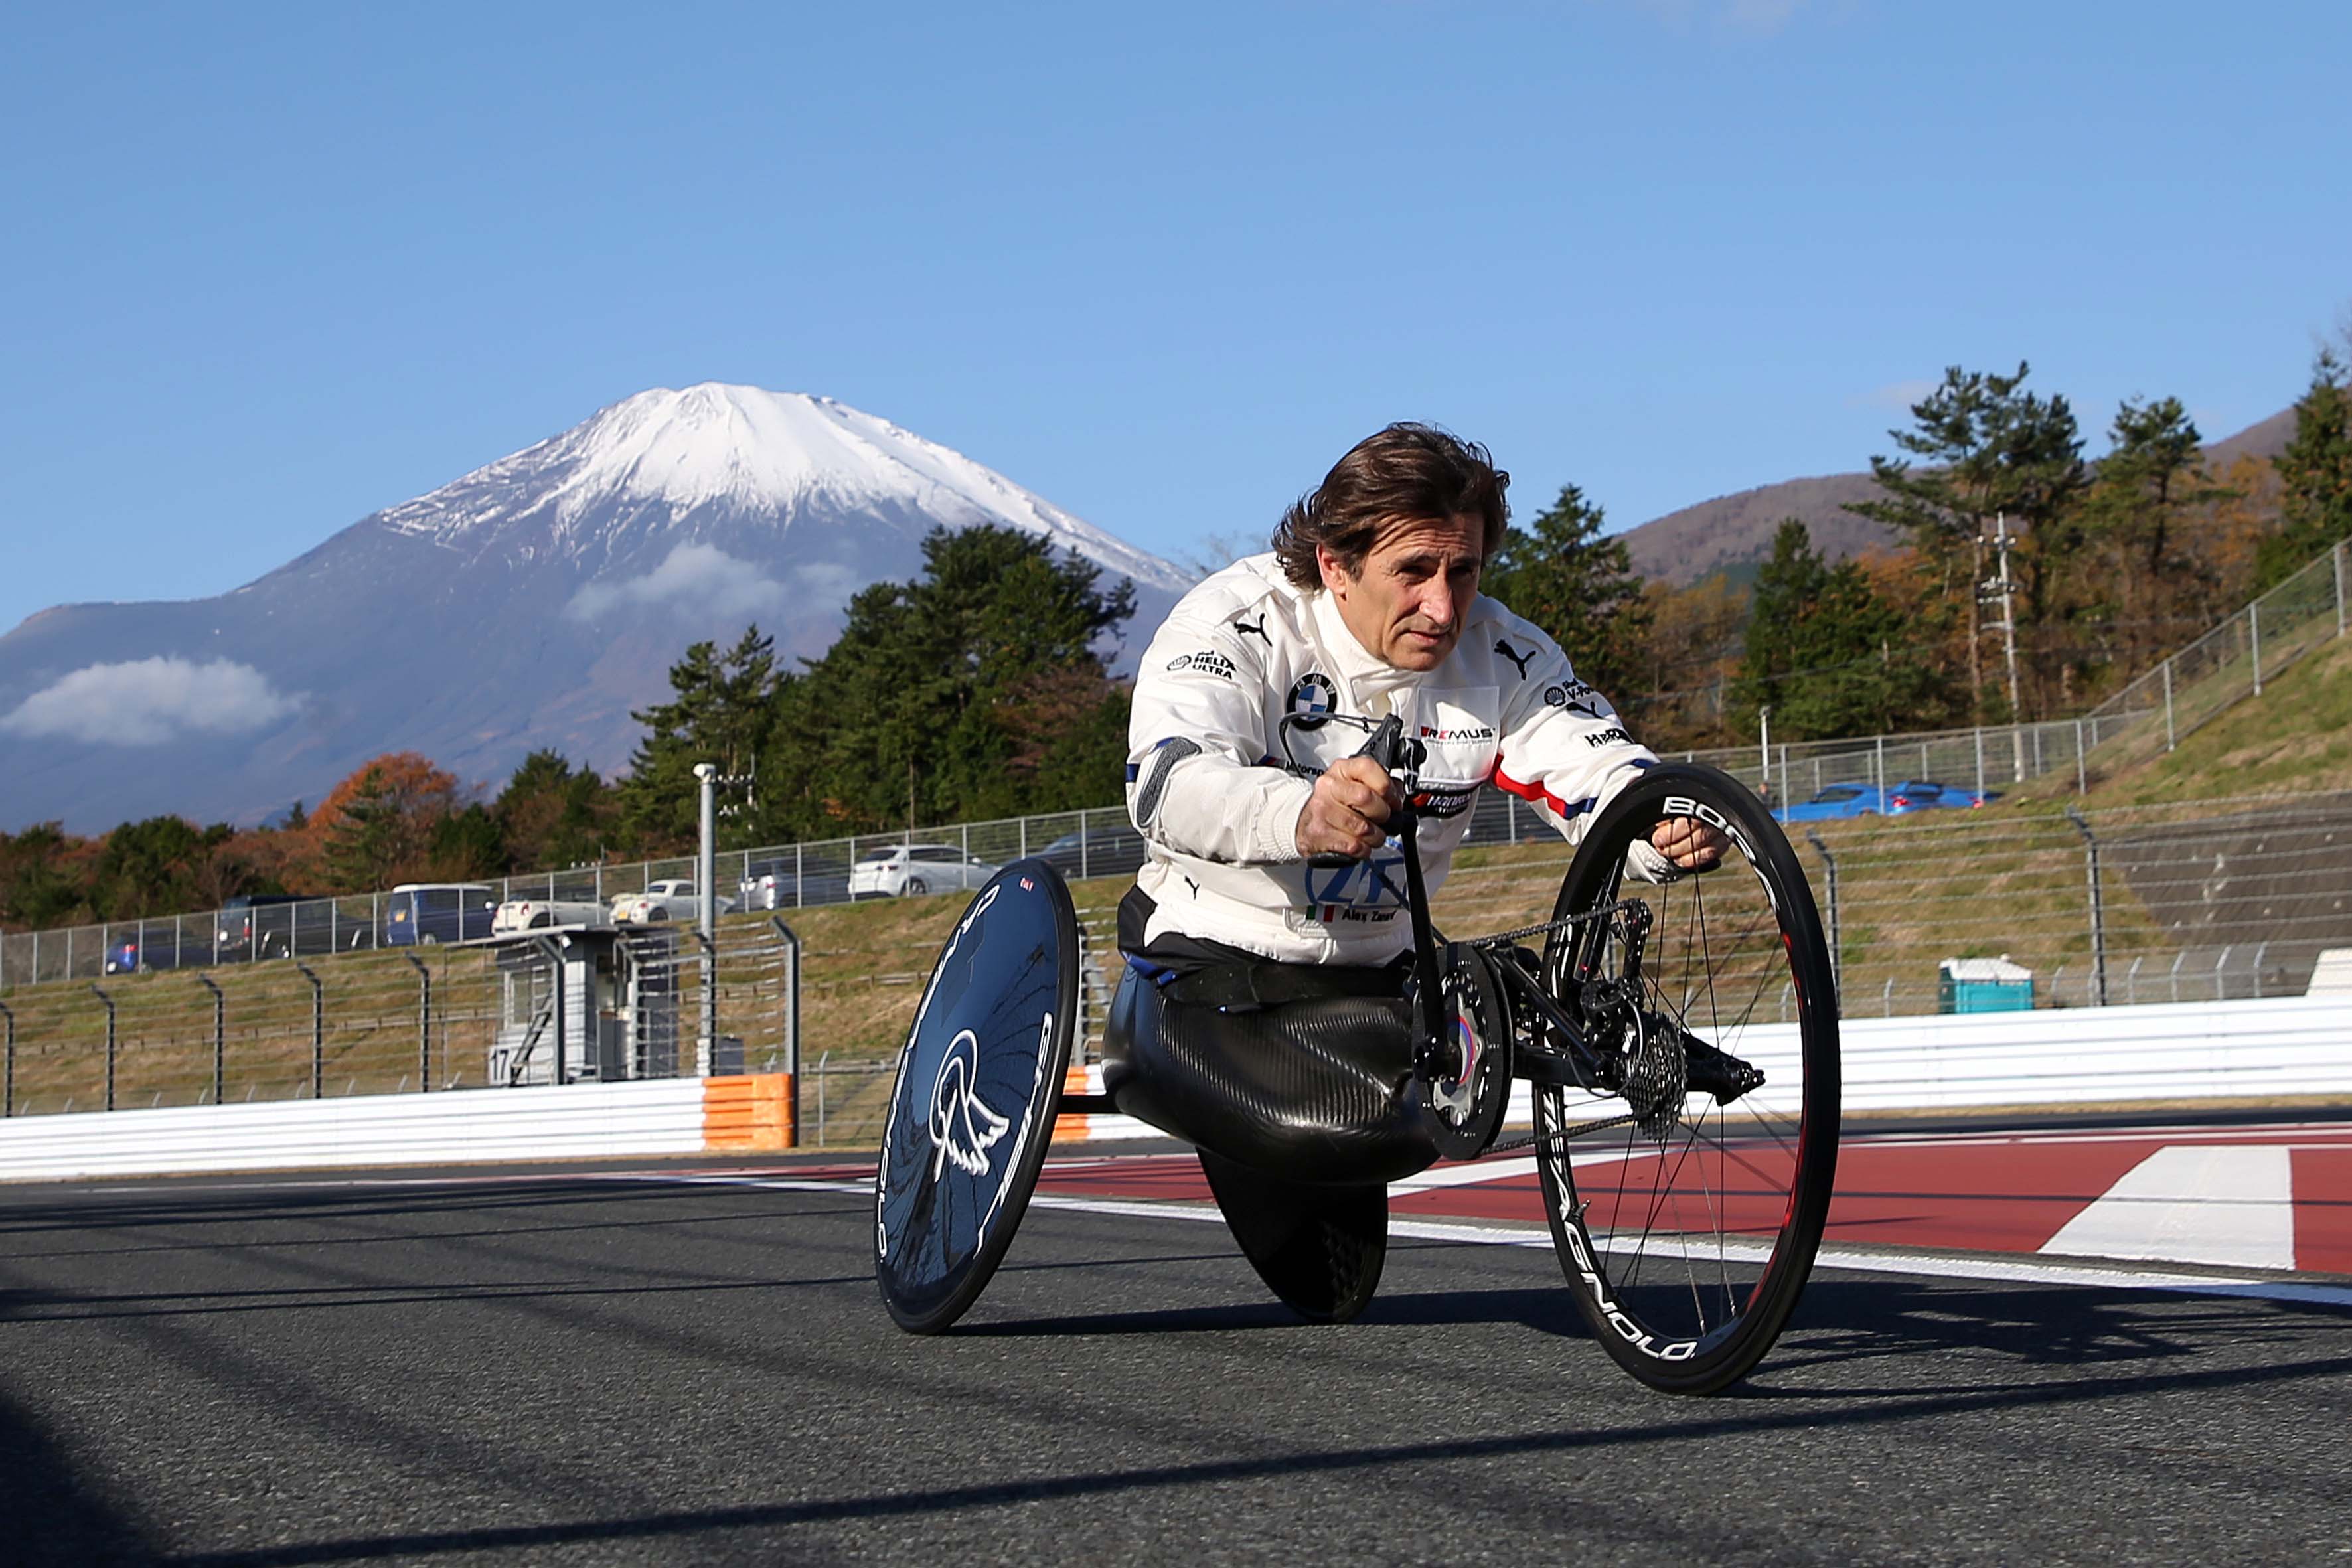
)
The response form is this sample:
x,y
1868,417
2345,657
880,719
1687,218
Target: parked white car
x,y
905,869
671,899
537,914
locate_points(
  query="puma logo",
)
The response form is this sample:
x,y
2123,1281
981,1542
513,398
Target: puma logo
x,y
1503,646
1257,630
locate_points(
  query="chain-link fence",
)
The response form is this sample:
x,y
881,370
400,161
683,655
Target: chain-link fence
x,y
2229,663
566,1006
2198,901
2214,901
942,859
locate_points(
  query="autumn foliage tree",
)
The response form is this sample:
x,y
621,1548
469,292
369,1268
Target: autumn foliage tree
x,y
377,827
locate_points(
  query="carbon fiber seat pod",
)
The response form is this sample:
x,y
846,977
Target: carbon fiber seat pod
x,y
1314,1092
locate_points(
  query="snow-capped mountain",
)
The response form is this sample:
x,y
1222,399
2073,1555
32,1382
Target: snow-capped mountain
x,y
534,602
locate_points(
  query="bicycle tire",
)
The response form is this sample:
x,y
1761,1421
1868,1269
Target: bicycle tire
x,y
979,1083
1687,1237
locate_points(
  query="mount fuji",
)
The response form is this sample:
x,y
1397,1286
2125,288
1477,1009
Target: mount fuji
x,y
531,603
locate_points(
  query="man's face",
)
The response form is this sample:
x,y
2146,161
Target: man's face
x,y
1406,605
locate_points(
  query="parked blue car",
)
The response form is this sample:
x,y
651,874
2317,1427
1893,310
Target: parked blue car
x,y
422,913
1861,799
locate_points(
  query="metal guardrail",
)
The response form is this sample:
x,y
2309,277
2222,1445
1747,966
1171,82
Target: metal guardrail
x,y
626,1006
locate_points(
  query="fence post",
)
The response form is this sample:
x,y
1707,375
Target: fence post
x,y
708,1052
2098,906
2082,762
317,1033
220,1036
800,852
110,1041
8,1084
425,1022
793,1016
1878,764
2338,554
1980,761
822,1057
2220,986
1083,856
2255,638
1837,958
2169,738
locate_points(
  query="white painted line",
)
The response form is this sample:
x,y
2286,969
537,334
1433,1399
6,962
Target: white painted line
x,y
1924,1265
1464,1175
2230,1204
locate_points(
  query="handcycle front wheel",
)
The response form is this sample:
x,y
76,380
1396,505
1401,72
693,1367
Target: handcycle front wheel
x,y
979,1081
1687,1225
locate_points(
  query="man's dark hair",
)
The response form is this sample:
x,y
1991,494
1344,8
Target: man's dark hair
x,y
1407,473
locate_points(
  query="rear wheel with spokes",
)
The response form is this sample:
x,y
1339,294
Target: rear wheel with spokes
x,y
1687,1183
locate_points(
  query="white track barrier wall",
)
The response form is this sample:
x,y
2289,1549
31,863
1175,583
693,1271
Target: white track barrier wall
x,y
2051,1058
576,1122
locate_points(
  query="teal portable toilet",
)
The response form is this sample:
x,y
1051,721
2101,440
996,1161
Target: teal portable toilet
x,y
1983,985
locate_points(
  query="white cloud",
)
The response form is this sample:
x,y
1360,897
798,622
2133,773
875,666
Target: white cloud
x,y
693,579
1899,395
828,581
147,701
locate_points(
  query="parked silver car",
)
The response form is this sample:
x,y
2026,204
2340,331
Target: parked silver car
x,y
910,868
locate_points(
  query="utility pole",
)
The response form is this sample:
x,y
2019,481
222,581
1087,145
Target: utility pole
x,y
706,776
2004,587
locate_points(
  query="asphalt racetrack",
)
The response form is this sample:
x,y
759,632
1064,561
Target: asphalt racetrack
x,y
676,1365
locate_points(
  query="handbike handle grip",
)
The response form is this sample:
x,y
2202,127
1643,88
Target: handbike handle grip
x,y
1384,746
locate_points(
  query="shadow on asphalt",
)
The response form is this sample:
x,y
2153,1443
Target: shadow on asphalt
x,y
1839,1322
1845,1321
52,1516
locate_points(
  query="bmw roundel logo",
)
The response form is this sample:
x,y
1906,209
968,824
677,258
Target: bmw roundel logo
x,y
1314,696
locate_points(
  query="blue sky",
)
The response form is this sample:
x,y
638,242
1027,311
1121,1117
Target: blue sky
x,y
270,268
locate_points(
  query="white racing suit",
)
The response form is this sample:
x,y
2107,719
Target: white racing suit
x,y
1206,785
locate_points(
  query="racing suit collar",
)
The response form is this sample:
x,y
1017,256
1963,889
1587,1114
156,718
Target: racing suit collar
x,y
1364,673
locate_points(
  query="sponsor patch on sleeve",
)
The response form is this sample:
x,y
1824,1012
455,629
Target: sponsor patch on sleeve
x,y
1208,661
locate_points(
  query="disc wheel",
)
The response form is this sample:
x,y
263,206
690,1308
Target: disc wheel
x,y
972,1110
1687,1230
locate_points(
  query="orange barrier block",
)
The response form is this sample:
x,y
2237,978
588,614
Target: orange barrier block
x,y
749,1114
1073,1126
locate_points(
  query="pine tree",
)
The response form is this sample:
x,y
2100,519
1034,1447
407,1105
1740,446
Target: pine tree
x,y
974,690
149,867
1786,590
2315,473
551,814
2142,495
723,714
1580,588
1830,653
1993,451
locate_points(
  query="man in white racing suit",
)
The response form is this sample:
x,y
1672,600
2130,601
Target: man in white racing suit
x,y
1368,606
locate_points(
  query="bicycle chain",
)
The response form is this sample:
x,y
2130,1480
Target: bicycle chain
x,y
1564,923
1560,1139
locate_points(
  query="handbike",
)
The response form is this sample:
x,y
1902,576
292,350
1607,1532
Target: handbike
x,y
1678,1038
